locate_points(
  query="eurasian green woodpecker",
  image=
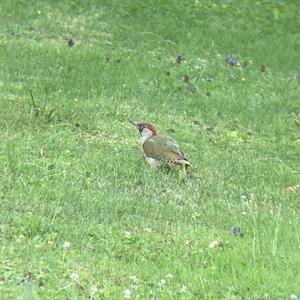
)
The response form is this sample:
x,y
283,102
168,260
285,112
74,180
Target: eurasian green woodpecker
x,y
160,150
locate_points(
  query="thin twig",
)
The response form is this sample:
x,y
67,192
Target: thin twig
x,y
32,99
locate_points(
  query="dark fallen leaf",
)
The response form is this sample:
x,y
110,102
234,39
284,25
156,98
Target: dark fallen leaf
x,y
41,282
236,231
51,167
263,68
232,61
180,59
71,42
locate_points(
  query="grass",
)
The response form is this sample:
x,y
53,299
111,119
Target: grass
x,y
83,216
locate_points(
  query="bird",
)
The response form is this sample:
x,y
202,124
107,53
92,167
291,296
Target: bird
x,y
160,150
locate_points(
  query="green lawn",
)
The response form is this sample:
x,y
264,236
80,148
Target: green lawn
x,y
82,216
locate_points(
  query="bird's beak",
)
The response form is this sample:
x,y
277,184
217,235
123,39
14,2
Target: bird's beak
x,y
132,123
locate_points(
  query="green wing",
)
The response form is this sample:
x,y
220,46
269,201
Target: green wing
x,y
163,148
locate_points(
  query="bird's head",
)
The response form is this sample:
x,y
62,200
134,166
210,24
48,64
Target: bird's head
x,y
146,130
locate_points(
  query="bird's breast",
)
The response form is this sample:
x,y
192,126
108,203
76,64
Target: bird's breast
x,y
154,163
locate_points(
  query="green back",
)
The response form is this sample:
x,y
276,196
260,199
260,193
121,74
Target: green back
x,y
164,148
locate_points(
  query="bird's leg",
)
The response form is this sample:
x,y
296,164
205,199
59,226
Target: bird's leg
x,y
182,170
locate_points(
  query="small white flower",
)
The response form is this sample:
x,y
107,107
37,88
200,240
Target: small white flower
x,y
74,276
293,296
161,283
128,234
93,290
183,289
170,276
127,294
66,245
